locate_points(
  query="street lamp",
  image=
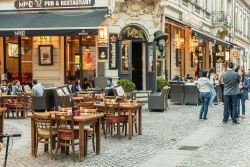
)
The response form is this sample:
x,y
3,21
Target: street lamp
x,y
160,39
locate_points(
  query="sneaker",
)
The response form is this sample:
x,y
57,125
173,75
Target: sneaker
x,y
243,116
236,122
204,118
200,117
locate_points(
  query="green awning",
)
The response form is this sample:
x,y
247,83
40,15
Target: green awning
x,y
211,38
51,24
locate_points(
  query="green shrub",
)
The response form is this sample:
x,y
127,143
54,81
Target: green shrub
x,y
127,85
161,83
122,82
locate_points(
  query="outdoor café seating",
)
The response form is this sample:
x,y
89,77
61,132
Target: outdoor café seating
x,y
67,135
191,95
44,102
114,119
177,93
158,100
45,132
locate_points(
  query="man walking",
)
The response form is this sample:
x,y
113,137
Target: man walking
x,y
231,81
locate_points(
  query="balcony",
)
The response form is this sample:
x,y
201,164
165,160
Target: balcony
x,y
221,19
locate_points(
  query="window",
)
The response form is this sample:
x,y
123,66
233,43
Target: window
x,y
240,22
80,58
244,25
18,59
205,4
236,18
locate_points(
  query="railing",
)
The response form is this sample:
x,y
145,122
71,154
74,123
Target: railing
x,y
219,17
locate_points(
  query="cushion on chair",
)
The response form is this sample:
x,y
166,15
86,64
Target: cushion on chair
x,y
14,105
46,132
116,118
67,134
126,116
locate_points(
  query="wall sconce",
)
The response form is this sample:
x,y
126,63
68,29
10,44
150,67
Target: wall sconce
x,y
101,33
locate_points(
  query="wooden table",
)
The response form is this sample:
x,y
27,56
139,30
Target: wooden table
x,y
2,115
130,108
84,119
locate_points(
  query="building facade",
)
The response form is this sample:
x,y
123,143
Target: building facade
x,y
60,40
241,33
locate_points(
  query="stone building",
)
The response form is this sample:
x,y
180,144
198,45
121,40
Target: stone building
x,y
60,40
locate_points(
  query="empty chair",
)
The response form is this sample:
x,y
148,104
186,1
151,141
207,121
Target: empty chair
x,y
46,133
113,119
177,93
90,131
191,94
67,135
158,100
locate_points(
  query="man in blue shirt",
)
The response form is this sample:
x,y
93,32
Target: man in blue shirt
x,y
37,88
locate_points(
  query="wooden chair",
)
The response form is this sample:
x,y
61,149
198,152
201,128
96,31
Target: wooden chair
x,y
88,105
134,116
66,133
90,131
16,106
25,99
99,97
113,118
89,99
46,133
110,99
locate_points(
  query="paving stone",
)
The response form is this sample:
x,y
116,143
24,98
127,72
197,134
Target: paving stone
x,y
161,131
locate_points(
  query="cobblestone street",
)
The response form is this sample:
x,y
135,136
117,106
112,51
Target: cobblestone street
x,y
161,131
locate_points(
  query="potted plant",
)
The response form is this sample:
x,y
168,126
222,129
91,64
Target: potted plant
x,y
161,83
127,85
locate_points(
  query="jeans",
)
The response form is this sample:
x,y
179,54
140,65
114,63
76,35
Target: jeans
x,y
242,98
230,105
213,95
222,92
205,97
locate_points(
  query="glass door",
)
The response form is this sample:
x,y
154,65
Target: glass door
x,y
125,59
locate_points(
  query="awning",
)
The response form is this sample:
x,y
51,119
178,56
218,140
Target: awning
x,y
51,24
211,38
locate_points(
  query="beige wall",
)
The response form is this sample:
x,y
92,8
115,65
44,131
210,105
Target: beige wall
x,y
52,73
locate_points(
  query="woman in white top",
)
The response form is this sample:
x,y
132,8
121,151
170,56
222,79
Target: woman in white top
x,y
204,85
212,77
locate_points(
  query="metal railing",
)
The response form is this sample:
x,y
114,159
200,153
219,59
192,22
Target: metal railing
x,y
219,17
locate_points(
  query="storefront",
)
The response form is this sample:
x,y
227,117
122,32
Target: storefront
x,y
212,52
53,46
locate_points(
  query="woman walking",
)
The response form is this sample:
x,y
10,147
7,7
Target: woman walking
x,y
204,85
244,86
212,77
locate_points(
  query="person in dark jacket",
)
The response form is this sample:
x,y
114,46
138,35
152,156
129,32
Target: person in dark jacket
x,y
244,86
231,81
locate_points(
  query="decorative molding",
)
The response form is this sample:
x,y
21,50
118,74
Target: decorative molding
x,y
136,8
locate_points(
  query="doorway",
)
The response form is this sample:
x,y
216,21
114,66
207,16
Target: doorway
x,y
137,66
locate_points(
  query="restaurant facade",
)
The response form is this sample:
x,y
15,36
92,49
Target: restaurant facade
x,y
57,41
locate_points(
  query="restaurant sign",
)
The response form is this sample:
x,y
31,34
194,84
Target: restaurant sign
x,y
24,4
